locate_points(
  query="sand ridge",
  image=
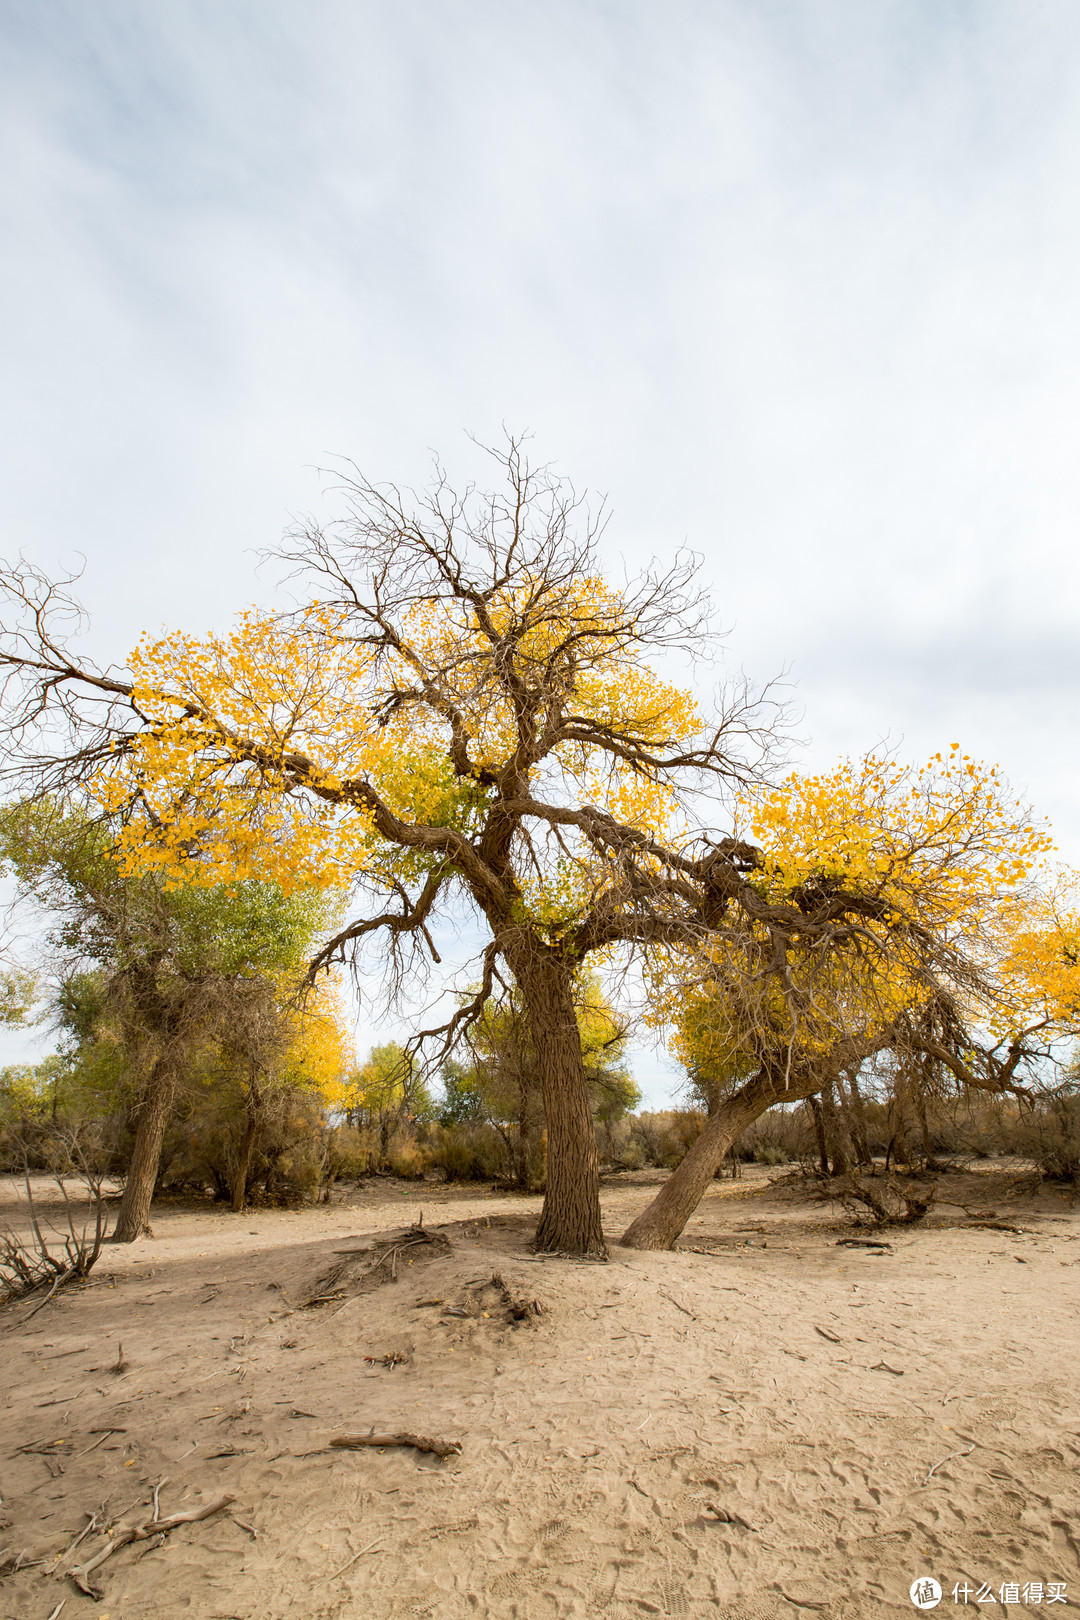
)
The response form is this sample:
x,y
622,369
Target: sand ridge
x,y
746,1431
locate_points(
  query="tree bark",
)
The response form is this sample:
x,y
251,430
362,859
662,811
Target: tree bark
x,y
814,1106
247,1151
659,1226
833,1123
929,1157
854,1108
153,1112
570,1220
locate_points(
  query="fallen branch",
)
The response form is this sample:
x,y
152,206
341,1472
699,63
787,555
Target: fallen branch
x,y
938,1464
421,1442
102,1437
141,1532
722,1515
351,1561
83,1533
673,1301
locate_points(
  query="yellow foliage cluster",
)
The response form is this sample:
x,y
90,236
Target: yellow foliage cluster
x,y
321,1056
951,869
219,772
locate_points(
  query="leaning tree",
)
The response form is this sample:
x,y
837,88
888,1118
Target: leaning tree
x,y
888,913
461,712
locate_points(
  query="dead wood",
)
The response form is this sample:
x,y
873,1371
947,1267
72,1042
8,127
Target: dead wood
x,y
863,1243
119,1365
420,1442
102,1436
891,1202
42,1446
381,1267
932,1471
26,1267
83,1533
141,1531
722,1515
349,1562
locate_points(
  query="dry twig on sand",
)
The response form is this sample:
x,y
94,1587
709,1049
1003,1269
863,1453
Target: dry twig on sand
x,y
329,1285
348,1564
140,1531
673,1301
931,1471
421,1442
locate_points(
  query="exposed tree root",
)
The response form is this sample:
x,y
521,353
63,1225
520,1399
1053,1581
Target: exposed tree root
x,y
140,1531
420,1442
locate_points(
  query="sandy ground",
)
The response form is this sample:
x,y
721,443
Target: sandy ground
x,y
744,1429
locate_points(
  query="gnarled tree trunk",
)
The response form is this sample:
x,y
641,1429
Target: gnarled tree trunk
x,y
659,1226
153,1112
570,1219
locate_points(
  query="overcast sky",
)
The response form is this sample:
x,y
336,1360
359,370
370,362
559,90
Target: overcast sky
x,y
793,283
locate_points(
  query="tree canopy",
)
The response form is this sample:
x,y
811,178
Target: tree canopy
x,y
463,711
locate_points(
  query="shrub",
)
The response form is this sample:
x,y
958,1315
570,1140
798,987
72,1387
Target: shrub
x,y
1049,1133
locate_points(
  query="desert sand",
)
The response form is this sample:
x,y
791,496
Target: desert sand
x,y
752,1427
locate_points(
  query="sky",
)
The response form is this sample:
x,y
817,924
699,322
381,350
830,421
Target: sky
x,y
792,282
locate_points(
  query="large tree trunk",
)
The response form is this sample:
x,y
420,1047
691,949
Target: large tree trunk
x,y
153,1112
570,1219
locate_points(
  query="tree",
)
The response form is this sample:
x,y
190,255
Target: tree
x,y
462,711
273,1048
942,951
503,1084
388,1090
18,992
172,965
